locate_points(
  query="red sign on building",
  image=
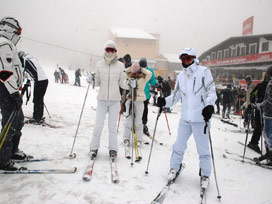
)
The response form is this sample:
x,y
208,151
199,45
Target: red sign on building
x,y
248,26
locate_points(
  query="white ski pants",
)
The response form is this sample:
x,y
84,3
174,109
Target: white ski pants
x,y
185,130
138,110
113,109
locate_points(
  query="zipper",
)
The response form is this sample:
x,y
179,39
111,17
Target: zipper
x,y
109,84
202,100
194,84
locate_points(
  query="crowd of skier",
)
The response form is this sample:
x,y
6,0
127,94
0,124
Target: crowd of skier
x,y
124,88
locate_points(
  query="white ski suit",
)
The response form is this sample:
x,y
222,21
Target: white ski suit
x,y
196,89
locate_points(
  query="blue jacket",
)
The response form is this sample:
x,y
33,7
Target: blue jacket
x,y
151,81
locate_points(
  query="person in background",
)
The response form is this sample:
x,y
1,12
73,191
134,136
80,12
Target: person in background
x,y
266,107
109,76
77,77
11,79
153,82
57,76
63,75
227,101
165,90
170,82
36,72
257,96
140,76
247,111
195,89
217,102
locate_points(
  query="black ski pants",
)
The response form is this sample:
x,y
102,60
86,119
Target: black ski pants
x,y
257,123
38,99
145,113
13,137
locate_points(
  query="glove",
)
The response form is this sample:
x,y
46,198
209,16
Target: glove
x,y
254,106
161,102
17,99
132,83
207,112
89,79
27,84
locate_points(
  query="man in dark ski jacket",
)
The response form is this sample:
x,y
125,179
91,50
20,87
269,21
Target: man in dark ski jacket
x,y
165,90
266,107
36,72
257,96
227,100
77,77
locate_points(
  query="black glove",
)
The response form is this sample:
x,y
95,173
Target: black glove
x,y
27,84
161,102
207,112
17,99
252,106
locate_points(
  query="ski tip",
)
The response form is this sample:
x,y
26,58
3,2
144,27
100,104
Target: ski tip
x,y
72,156
75,169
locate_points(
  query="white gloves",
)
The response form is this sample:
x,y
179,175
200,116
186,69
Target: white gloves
x,y
132,83
89,79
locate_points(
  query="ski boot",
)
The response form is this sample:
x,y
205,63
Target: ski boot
x,y
145,129
19,155
93,154
11,166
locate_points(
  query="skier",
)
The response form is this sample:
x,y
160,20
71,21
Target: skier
x,y
109,75
153,82
165,89
36,72
77,77
247,111
62,73
227,101
196,90
266,107
10,100
257,96
139,75
57,76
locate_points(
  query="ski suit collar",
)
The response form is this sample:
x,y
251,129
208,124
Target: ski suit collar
x,y
191,69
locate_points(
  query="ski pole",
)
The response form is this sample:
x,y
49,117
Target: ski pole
x,y
167,121
158,115
47,110
7,126
73,155
261,120
249,116
133,123
214,170
121,110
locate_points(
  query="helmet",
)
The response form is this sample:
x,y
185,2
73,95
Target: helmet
x,y
11,29
188,51
248,78
143,62
269,70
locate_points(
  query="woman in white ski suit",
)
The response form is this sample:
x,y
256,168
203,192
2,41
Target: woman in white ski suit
x,y
143,76
196,89
109,76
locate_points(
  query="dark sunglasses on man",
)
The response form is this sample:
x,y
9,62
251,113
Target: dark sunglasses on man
x,y
109,49
185,58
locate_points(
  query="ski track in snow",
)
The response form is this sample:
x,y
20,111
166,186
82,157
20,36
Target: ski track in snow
x,y
238,183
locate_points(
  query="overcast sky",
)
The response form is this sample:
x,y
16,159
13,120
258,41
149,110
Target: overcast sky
x,y
84,24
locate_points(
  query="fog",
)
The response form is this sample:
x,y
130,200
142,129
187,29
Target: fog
x,y
82,26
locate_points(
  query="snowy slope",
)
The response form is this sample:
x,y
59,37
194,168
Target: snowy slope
x,y
238,183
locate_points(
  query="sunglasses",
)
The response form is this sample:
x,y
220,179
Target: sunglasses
x,y
186,58
109,49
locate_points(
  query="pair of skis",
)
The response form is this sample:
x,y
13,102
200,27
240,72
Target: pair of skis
x,y
87,176
41,171
248,160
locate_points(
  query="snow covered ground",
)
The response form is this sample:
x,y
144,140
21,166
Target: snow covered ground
x,y
239,183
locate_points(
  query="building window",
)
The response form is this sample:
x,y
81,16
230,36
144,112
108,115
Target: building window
x,y
265,46
226,53
242,50
233,52
208,57
219,54
213,55
253,48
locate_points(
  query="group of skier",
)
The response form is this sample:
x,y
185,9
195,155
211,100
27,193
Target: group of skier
x,y
194,88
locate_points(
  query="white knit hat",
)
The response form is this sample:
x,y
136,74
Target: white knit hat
x,y
111,44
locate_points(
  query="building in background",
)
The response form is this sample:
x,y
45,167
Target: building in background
x,y
233,59
139,43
